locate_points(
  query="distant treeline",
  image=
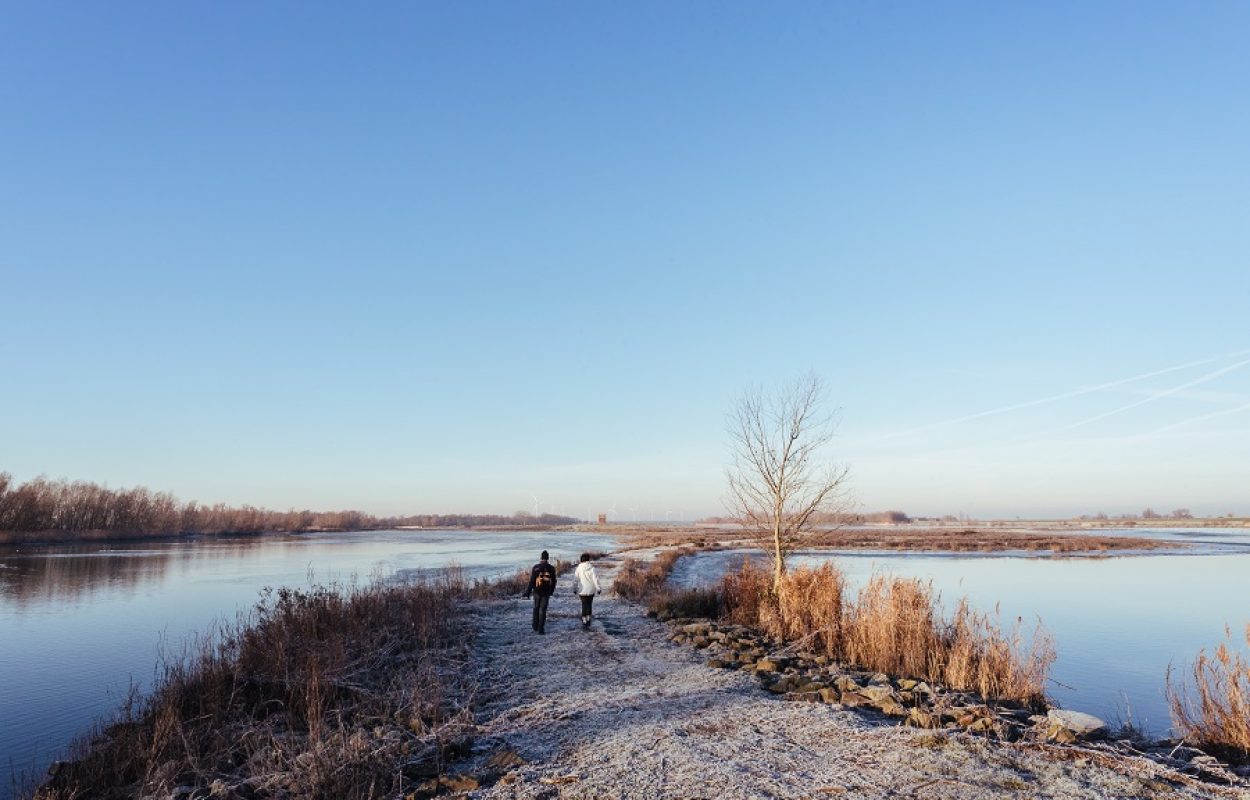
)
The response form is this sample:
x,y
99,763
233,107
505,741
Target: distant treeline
x,y
896,517
80,509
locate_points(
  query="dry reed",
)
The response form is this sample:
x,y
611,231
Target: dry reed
x,y
640,582
896,626
1218,719
319,693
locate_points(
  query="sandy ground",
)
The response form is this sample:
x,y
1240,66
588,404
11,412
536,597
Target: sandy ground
x,y
621,712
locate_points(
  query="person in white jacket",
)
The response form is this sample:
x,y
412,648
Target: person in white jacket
x,y
586,586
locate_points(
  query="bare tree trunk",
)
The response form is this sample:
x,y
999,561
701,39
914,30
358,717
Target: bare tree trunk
x,y
778,486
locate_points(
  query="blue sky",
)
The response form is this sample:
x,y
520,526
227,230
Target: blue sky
x,y
470,256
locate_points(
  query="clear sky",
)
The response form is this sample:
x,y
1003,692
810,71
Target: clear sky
x,y
474,256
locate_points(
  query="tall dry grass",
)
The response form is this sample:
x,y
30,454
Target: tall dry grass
x,y
893,625
648,584
640,581
1215,713
318,694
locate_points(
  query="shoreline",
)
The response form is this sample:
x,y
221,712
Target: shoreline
x,y
629,709
51,538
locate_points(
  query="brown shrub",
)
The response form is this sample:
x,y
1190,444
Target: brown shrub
x,y
289,699
894,625
810,606
977,655
744,593
1219,717
677,603
640,582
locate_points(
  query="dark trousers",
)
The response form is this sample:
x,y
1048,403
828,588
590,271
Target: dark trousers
x,y
587,599
540,610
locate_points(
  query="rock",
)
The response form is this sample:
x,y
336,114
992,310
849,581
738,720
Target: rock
x,y
907,684
891,707
780,687
811,686
767,665
1079,724
877,693
846,684
695,629
919,718
701,642
879,677
806,697
980,725
829,695
854,700
922,688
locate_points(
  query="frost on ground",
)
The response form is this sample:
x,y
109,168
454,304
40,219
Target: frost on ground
x,y
619,711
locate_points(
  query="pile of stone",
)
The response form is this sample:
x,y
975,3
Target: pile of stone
x,y
813,677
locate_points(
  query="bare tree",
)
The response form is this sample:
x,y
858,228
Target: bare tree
x,y
779,478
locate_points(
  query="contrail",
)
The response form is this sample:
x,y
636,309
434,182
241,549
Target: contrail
x,y
1056,397
1210,376
1199,418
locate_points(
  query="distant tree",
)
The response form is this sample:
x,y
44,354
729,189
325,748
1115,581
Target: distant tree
x,y
1182,513
1150,513
778,477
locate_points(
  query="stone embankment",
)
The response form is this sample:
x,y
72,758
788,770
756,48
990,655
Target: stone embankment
x,y
635,708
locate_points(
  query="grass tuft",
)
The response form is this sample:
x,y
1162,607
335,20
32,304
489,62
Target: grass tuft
x,y
318,693
1215,713
896,626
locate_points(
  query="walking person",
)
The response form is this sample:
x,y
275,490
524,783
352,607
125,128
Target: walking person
x,y
586,586
542,586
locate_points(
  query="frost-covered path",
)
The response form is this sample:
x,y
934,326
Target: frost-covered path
x,y
619,711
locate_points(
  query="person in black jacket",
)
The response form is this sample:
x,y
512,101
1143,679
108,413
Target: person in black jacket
x,y
542,586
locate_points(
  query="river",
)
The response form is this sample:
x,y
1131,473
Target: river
x,y
1118,621
79,624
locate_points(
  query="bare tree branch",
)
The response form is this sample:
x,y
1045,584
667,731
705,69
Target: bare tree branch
x,y
778,479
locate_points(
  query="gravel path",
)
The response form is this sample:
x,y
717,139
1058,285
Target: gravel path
x,y
619,711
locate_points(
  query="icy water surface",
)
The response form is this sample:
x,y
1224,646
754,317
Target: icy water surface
x,y
78,624
1118,622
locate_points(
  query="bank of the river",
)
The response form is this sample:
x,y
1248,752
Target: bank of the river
x,y
623,711
81,624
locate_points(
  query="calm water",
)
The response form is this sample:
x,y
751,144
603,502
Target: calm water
x,y
1117,622
78,624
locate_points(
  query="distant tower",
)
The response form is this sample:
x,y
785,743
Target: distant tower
x,y
603,519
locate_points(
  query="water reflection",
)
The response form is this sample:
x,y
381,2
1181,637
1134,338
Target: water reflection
x,y
1118,622
75,573
79,623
